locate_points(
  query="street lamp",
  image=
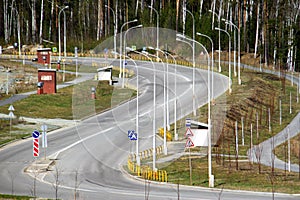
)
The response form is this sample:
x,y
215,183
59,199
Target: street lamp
x,y
239,50
165,123
166,88
229,63
135,20
65,38
175,99
154,108
219,38
212,62
115,29
210,176
193,49
18,27
157,29
193,54
125,37
137,109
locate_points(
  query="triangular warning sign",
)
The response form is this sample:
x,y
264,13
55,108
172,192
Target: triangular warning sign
x,y
188,133
189,143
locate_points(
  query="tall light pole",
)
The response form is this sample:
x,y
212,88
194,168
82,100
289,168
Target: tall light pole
x,y
125,37
18,30
65,38
210,175
175,99
115,29
138,160
157,29
194,63
239,49
219,38
154,110
164,105
121,47
194,110
229,59
166,88
212,62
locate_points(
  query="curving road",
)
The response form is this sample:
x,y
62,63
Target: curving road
x,y
90,155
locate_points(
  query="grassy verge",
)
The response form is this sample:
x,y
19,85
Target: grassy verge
x,y
74,102
14,197
252,101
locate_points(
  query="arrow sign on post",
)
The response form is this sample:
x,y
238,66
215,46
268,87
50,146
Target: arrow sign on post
x,y
35,136
132,135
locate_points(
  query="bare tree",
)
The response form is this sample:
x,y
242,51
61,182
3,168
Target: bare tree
x,y
76,186
272,174
147,189
56,175
258,153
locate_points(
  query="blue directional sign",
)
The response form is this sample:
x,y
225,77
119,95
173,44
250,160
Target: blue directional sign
x,y
35,134
188,122
132,135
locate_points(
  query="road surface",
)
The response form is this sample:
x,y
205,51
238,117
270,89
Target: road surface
x,y
96,149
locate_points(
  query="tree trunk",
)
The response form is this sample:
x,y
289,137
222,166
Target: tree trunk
x,y
177,13
33,21
100,20
265,30
257,30
41,21
50,22
5,12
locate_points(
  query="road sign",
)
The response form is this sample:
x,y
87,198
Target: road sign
x,y
44,127
76,52
188,122
35,136
44,140
188,133
54,49
11,108
130,132
189,143
132,135
11,114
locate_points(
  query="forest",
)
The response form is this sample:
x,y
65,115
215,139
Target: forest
x,y
267,28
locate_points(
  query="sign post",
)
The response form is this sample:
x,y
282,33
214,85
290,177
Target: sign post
x,y
35,137
44,139
11,115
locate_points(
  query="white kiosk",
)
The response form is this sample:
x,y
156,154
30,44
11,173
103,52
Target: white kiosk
x,y
105,74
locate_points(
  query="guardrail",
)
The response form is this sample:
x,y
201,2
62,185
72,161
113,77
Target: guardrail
x,y
146,172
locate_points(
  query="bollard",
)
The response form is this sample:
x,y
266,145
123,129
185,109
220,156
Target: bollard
x,y
93,90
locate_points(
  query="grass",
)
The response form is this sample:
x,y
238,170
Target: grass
x,y
253,99
246,178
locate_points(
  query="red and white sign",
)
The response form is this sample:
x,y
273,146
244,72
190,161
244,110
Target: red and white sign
x,y
35,147
188,133
189,143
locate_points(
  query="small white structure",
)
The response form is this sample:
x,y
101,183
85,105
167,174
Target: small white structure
x,y
105,74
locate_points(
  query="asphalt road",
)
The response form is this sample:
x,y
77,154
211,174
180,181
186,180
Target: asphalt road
x,y
97,148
